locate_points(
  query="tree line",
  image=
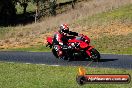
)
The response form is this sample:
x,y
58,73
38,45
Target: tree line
x,y
7,7
8,10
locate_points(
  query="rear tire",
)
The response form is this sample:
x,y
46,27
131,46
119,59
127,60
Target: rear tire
x,y
56,55
95,55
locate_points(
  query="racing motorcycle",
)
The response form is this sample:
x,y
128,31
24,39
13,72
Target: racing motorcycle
x,y
81,48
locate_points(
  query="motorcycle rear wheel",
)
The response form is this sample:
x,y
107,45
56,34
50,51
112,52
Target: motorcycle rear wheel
x,y
55,53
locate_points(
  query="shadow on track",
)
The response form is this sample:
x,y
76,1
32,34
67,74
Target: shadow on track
x,y
107,60
101,60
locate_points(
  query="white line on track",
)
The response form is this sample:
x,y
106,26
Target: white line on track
x,y
30,63
54,65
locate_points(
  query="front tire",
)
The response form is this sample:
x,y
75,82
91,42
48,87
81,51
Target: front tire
x,y
95,55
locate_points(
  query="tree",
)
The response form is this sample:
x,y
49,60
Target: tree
x,y
24,4
7,8
52,5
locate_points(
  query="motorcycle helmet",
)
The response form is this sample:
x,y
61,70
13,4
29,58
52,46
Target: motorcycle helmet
x,y
64,29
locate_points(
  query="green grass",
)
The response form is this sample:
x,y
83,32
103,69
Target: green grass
x,y
14,75
114,44
38,48
123,13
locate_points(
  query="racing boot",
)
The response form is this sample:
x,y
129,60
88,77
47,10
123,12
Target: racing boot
x,y
62,57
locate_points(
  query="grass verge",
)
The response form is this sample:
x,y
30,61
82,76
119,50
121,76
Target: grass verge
x,y
13,75
38,48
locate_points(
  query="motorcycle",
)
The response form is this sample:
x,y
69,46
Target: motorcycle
x,y
81,48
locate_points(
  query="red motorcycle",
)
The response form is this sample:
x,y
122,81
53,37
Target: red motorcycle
x,y
82,48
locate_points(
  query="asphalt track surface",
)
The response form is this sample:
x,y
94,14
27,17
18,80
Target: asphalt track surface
x,y
107,60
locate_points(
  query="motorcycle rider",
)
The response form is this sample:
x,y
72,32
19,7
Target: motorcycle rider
x,y
60,39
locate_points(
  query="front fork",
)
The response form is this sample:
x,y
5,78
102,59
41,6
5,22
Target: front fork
x,y
88,51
